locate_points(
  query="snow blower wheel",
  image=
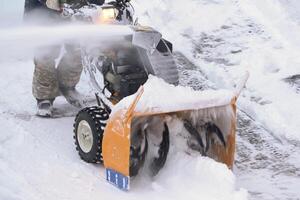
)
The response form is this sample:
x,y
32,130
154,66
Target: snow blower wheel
x,y
88,133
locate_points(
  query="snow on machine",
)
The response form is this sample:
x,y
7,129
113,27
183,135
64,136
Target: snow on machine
x,y
141,108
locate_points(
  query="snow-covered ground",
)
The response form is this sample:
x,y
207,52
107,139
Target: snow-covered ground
x,y
215,41
38,159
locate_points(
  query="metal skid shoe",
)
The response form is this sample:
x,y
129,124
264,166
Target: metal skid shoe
x,y
117,179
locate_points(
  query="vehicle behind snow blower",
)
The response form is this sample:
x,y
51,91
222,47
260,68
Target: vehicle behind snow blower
x,y
136,78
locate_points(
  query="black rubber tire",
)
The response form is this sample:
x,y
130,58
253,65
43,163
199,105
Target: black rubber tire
x,y
96,118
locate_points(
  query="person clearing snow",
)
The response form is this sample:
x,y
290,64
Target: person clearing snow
x,y
58,67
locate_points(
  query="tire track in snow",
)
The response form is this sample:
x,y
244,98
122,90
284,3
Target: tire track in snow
x,y
263,163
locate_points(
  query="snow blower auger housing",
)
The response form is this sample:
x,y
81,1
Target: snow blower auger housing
x,y
206,120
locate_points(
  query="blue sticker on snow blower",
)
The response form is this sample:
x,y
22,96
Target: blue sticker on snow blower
x,y
117,179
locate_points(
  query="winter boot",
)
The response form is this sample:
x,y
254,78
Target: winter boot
x,y
44,108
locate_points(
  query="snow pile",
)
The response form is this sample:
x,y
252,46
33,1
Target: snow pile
x,y
159,96
186,174
182,175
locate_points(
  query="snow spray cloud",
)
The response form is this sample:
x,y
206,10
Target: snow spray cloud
x,y
23,41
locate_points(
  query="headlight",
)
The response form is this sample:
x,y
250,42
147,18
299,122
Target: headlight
x,y
107,15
